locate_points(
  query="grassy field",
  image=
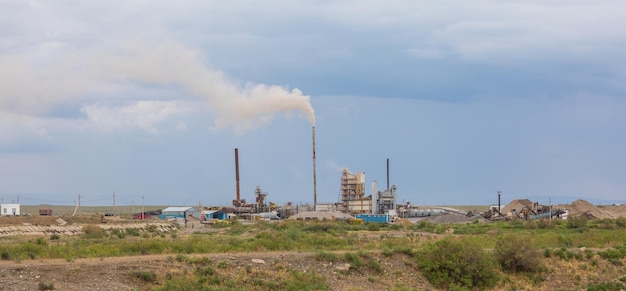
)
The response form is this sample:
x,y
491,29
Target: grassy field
x,y
487,255
571,254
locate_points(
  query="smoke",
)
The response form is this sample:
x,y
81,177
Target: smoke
x,y
131,63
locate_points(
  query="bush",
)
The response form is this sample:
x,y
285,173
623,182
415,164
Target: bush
x,y
146,276
132,231
354,260
576,222
93,231
373,226
545,224
606,286
516,253
326,257
460,263
45,286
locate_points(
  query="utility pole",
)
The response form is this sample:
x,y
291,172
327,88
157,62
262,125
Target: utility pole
x,y
550,201
143,214
77,206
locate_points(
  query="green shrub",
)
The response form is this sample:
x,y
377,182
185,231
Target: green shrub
x,y
45,286
375,266
516,253
373,226
120,233
93,231
205,271
612,254
545,224
354,260
457,262
547,253
606,286
132,231
326,257
146,276
576,222
55,236
531,224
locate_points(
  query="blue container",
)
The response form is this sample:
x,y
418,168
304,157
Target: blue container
x,y
380,218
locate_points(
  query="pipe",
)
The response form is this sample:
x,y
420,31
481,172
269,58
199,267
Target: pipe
x,y
237,171
314,175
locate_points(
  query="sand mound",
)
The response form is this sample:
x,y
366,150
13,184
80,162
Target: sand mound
x,y
581,207
516,204
614,210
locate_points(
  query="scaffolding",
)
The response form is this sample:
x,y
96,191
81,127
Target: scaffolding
x,y
352,194
260,200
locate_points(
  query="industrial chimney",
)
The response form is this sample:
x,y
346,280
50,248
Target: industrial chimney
x,y
237,176
314,175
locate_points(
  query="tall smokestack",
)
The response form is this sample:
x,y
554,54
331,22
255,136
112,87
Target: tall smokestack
x,y
499,193
237,171
387,173
314,175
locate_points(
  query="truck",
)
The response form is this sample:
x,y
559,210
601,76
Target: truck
x,y
45,212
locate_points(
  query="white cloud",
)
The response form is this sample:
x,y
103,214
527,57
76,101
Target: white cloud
x,y
142,115
425,53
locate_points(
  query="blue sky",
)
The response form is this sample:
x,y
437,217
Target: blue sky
x,y
150,98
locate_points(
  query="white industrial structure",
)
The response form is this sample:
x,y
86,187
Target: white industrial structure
x,y
10,209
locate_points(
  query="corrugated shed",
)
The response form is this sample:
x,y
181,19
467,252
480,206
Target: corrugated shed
x,y
177,209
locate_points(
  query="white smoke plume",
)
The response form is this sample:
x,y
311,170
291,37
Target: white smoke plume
x,y
33,88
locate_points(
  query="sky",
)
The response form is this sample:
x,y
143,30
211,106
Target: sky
x,y
129,102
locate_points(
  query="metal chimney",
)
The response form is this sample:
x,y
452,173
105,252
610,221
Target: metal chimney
x,y
237,171
314,175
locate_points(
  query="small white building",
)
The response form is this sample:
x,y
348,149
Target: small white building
x,y
9,209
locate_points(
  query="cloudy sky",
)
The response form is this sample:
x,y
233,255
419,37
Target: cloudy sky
x,y
466,98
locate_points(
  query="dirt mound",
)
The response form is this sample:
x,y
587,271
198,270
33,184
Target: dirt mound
x,y
29,220
516,205
614,210
581,207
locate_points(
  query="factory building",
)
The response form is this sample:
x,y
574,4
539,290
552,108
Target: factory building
x,y
179,213
352,194
383,202
352,197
